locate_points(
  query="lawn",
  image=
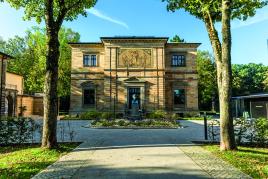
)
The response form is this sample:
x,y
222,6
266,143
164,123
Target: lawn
x,y
252,161
26,161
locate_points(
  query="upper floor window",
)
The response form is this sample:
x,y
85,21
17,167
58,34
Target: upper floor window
x,y
178,61
90,60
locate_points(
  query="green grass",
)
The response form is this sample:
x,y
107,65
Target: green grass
x,y
26,161
252,161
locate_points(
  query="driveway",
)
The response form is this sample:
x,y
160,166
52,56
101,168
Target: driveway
x,y
126,153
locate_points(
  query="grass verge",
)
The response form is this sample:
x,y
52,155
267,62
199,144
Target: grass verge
x,y
24,161
252,161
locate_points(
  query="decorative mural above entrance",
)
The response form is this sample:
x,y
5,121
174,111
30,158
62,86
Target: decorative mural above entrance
x,y
135,58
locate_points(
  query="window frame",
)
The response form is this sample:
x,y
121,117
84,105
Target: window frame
x,y
83,97
181,60
90,55
185,98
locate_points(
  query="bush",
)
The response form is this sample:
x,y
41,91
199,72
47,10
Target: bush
x,y
90,115
16,130
190,114
158,114
261,131
107,115
121,123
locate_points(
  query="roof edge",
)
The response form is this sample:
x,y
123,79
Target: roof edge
x,y
6,55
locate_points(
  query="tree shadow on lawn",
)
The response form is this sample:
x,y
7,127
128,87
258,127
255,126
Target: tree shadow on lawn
x,y
23,169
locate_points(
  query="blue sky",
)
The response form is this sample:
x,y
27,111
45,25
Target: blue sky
x,y
150,18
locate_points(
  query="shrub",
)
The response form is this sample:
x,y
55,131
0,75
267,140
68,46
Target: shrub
x,y
16,130
261,131
190,114
91,115
121,123
158,114
107,115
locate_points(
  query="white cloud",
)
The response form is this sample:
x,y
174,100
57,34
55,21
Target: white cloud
x,y
261,16
101,15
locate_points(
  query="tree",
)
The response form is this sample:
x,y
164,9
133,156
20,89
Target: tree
x,y
53,12
211,12
177,38
207,90
248,78
265,81
30,53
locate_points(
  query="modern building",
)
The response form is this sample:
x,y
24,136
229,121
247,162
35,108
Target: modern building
x,y
107,75
253,106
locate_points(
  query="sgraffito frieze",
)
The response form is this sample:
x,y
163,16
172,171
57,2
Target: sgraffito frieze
x,y
135,58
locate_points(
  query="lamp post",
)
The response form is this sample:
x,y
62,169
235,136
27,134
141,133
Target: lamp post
x,y
3,57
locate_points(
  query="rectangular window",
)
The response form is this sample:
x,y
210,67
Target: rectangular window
x,y
89,97
178,61
90,60
179,97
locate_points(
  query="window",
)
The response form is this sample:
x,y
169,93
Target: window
x,y
89,97
90,60
179,97
178,60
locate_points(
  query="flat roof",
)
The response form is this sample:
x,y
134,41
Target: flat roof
x,y
133,37
6,56
260,95
174,44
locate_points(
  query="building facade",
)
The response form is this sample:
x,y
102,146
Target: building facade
x,y
109,75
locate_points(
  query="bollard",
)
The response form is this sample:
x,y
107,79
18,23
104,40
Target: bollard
x,y
205,126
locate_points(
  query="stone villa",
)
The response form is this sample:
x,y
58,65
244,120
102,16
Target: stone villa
x,y
107,74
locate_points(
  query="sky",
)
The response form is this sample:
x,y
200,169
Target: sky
x,y
150,18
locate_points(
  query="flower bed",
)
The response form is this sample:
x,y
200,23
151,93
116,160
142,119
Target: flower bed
x,y
147,123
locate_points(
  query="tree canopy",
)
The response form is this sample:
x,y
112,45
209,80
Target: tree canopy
x,y
30,53
177,38
200,8
61,10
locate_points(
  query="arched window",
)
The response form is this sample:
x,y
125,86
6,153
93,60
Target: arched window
x,y
89,94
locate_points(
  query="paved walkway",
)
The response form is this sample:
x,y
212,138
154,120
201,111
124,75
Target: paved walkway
x,y
141,154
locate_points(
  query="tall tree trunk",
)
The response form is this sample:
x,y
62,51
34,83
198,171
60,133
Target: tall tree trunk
x,y
222,54
49,139
225,81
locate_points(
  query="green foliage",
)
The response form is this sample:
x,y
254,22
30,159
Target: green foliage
x,y
177,39
265,82
199,8
254,131
249,78
30,53
16,130
91,115
158,114
148,123
252,161
207,79
107,115
261,131
62,10
25,161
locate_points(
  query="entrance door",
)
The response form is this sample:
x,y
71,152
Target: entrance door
x,y
131,92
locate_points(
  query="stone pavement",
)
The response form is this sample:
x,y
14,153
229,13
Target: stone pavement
x,y
156,153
